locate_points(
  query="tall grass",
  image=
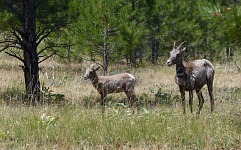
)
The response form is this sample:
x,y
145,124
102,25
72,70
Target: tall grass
x,y
79,124
77,128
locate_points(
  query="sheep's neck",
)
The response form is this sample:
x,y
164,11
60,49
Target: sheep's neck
x,y
180,69
95,80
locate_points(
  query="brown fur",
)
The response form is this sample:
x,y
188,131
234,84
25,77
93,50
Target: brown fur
x,y
192,76
123,82
189,67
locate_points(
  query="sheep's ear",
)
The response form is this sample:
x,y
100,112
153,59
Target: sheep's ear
x,y
184,49
96,68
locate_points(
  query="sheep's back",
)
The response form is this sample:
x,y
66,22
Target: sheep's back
x,y
200,70
118,83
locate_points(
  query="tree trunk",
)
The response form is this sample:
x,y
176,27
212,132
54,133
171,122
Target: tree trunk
x,y
105,53
138,54
155,49
229,54
31,74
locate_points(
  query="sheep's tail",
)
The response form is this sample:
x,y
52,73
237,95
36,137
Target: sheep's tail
x,y
133,78
208,63
209,66
209,70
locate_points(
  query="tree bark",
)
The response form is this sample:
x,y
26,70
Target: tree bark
x,y
105,52
229,54
155,49
31,74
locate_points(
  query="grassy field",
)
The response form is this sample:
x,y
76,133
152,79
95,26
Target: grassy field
x,y
75,121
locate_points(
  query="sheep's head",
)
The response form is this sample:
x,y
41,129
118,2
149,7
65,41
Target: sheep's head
x,y
176,54
90,72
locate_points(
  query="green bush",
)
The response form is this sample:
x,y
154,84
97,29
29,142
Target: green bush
x,y
13,95
165,98
51,98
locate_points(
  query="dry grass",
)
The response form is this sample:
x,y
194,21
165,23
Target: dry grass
x,y
68,78
79,124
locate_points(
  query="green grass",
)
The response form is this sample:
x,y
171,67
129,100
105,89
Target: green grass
x,y
77,127
72,117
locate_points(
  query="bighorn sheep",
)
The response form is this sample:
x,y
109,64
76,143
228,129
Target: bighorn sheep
x,y
192,76
123,82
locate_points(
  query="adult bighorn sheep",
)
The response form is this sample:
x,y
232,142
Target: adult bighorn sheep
x,y
191,76
124,82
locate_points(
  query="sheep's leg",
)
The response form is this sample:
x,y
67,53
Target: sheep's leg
x,y
128,96
182,91
201,100
131,98
210,91
190,99
133,101
103,101
190,90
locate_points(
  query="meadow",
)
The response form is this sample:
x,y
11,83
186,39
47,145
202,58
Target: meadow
x,y
71,118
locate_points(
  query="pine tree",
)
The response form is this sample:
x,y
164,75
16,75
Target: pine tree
x,y
24,26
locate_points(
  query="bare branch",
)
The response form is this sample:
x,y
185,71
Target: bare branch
x,y
52,47
7,41
42,50
239,69
15,33
40,39
40,32
61,55
46,57
10,46
4,48
14,55
12,40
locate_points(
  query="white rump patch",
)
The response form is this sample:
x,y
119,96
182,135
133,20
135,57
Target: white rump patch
x,y
131,76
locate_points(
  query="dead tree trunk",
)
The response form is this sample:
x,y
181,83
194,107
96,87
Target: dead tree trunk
x,y
229,54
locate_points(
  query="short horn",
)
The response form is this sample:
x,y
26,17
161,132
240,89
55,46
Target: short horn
x,y
181,44
174,44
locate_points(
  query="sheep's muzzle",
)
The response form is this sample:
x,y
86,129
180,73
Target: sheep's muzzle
x,y
85,77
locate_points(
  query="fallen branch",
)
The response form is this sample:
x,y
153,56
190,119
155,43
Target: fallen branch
x,y
239,69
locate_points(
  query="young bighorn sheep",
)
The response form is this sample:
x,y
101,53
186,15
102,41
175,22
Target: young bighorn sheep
x,y
124,82
192,76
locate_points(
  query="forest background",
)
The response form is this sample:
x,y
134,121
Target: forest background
x,y
46,44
